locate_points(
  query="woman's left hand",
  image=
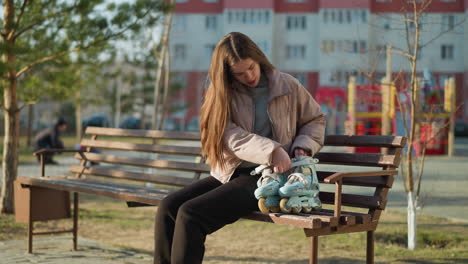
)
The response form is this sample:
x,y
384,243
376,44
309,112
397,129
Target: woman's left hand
x,y
299,152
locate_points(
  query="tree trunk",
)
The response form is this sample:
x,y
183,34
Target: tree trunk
x,y
10,142
411,222
30,124
79,128
10,157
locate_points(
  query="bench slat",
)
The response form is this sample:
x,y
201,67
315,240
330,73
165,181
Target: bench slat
x,y
354,200
118,191
143,177
302,220
356,159
366,141
147,163
163,149
141,133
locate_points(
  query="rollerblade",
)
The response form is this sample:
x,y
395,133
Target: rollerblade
x,y
300,192
267,191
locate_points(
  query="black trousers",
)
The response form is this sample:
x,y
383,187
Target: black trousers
x,y
185,217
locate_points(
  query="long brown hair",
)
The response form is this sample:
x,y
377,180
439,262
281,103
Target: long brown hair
x,y
216,108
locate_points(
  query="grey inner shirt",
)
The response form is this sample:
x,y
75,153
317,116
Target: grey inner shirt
x,y
262,124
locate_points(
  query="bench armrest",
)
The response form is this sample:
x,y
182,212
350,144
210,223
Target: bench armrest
x,y
335,177
41,153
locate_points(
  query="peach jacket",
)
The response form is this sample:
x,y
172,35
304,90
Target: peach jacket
x,y
296,120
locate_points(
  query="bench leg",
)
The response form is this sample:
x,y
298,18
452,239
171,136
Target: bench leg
x,y
30,236
313,250
75,221
370,247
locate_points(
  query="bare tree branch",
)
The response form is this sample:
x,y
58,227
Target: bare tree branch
x,y
23,7
26,104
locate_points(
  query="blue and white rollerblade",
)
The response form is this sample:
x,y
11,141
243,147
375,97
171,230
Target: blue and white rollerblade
x,y
301,190
267,192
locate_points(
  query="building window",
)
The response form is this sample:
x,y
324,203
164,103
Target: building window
x,y
248,16
348,16
340,16
382,51
325,16
229,16
210,1
324,46
364,16
384,1
180,51
295,51
211,22
363,46
181,1
448,22
446,52
267,17
355,46
296,22
180,23
331,46
386,23
339,45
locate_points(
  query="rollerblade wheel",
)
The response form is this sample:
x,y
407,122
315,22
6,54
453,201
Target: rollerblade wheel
x,y
296,209
307,210
262,207
275,209
283,206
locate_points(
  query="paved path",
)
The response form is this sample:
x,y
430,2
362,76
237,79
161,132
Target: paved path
x,y
57,250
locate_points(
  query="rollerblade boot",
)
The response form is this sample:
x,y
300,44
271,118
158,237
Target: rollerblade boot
x,y
300,193
267,191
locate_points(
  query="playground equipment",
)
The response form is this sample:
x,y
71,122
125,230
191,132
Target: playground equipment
x,y
380,110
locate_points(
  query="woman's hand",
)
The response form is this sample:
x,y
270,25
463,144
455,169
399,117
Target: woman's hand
x,y
280,160
300,152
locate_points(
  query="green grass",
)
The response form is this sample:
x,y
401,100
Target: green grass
x,y
9,229
440,240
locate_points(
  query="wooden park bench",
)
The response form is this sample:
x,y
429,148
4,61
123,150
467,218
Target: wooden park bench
x,y
120,174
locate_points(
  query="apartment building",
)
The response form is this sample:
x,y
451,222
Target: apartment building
x,y
321,42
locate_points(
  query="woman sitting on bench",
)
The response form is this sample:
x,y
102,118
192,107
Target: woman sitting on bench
x,y
252,114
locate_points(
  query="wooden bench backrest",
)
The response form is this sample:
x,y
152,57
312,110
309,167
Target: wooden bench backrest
x,y
187,159
141,154
375,199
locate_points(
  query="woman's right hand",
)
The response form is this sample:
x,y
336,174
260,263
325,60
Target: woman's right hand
x,y
280,160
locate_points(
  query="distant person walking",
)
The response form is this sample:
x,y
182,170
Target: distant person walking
x,y
49,138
